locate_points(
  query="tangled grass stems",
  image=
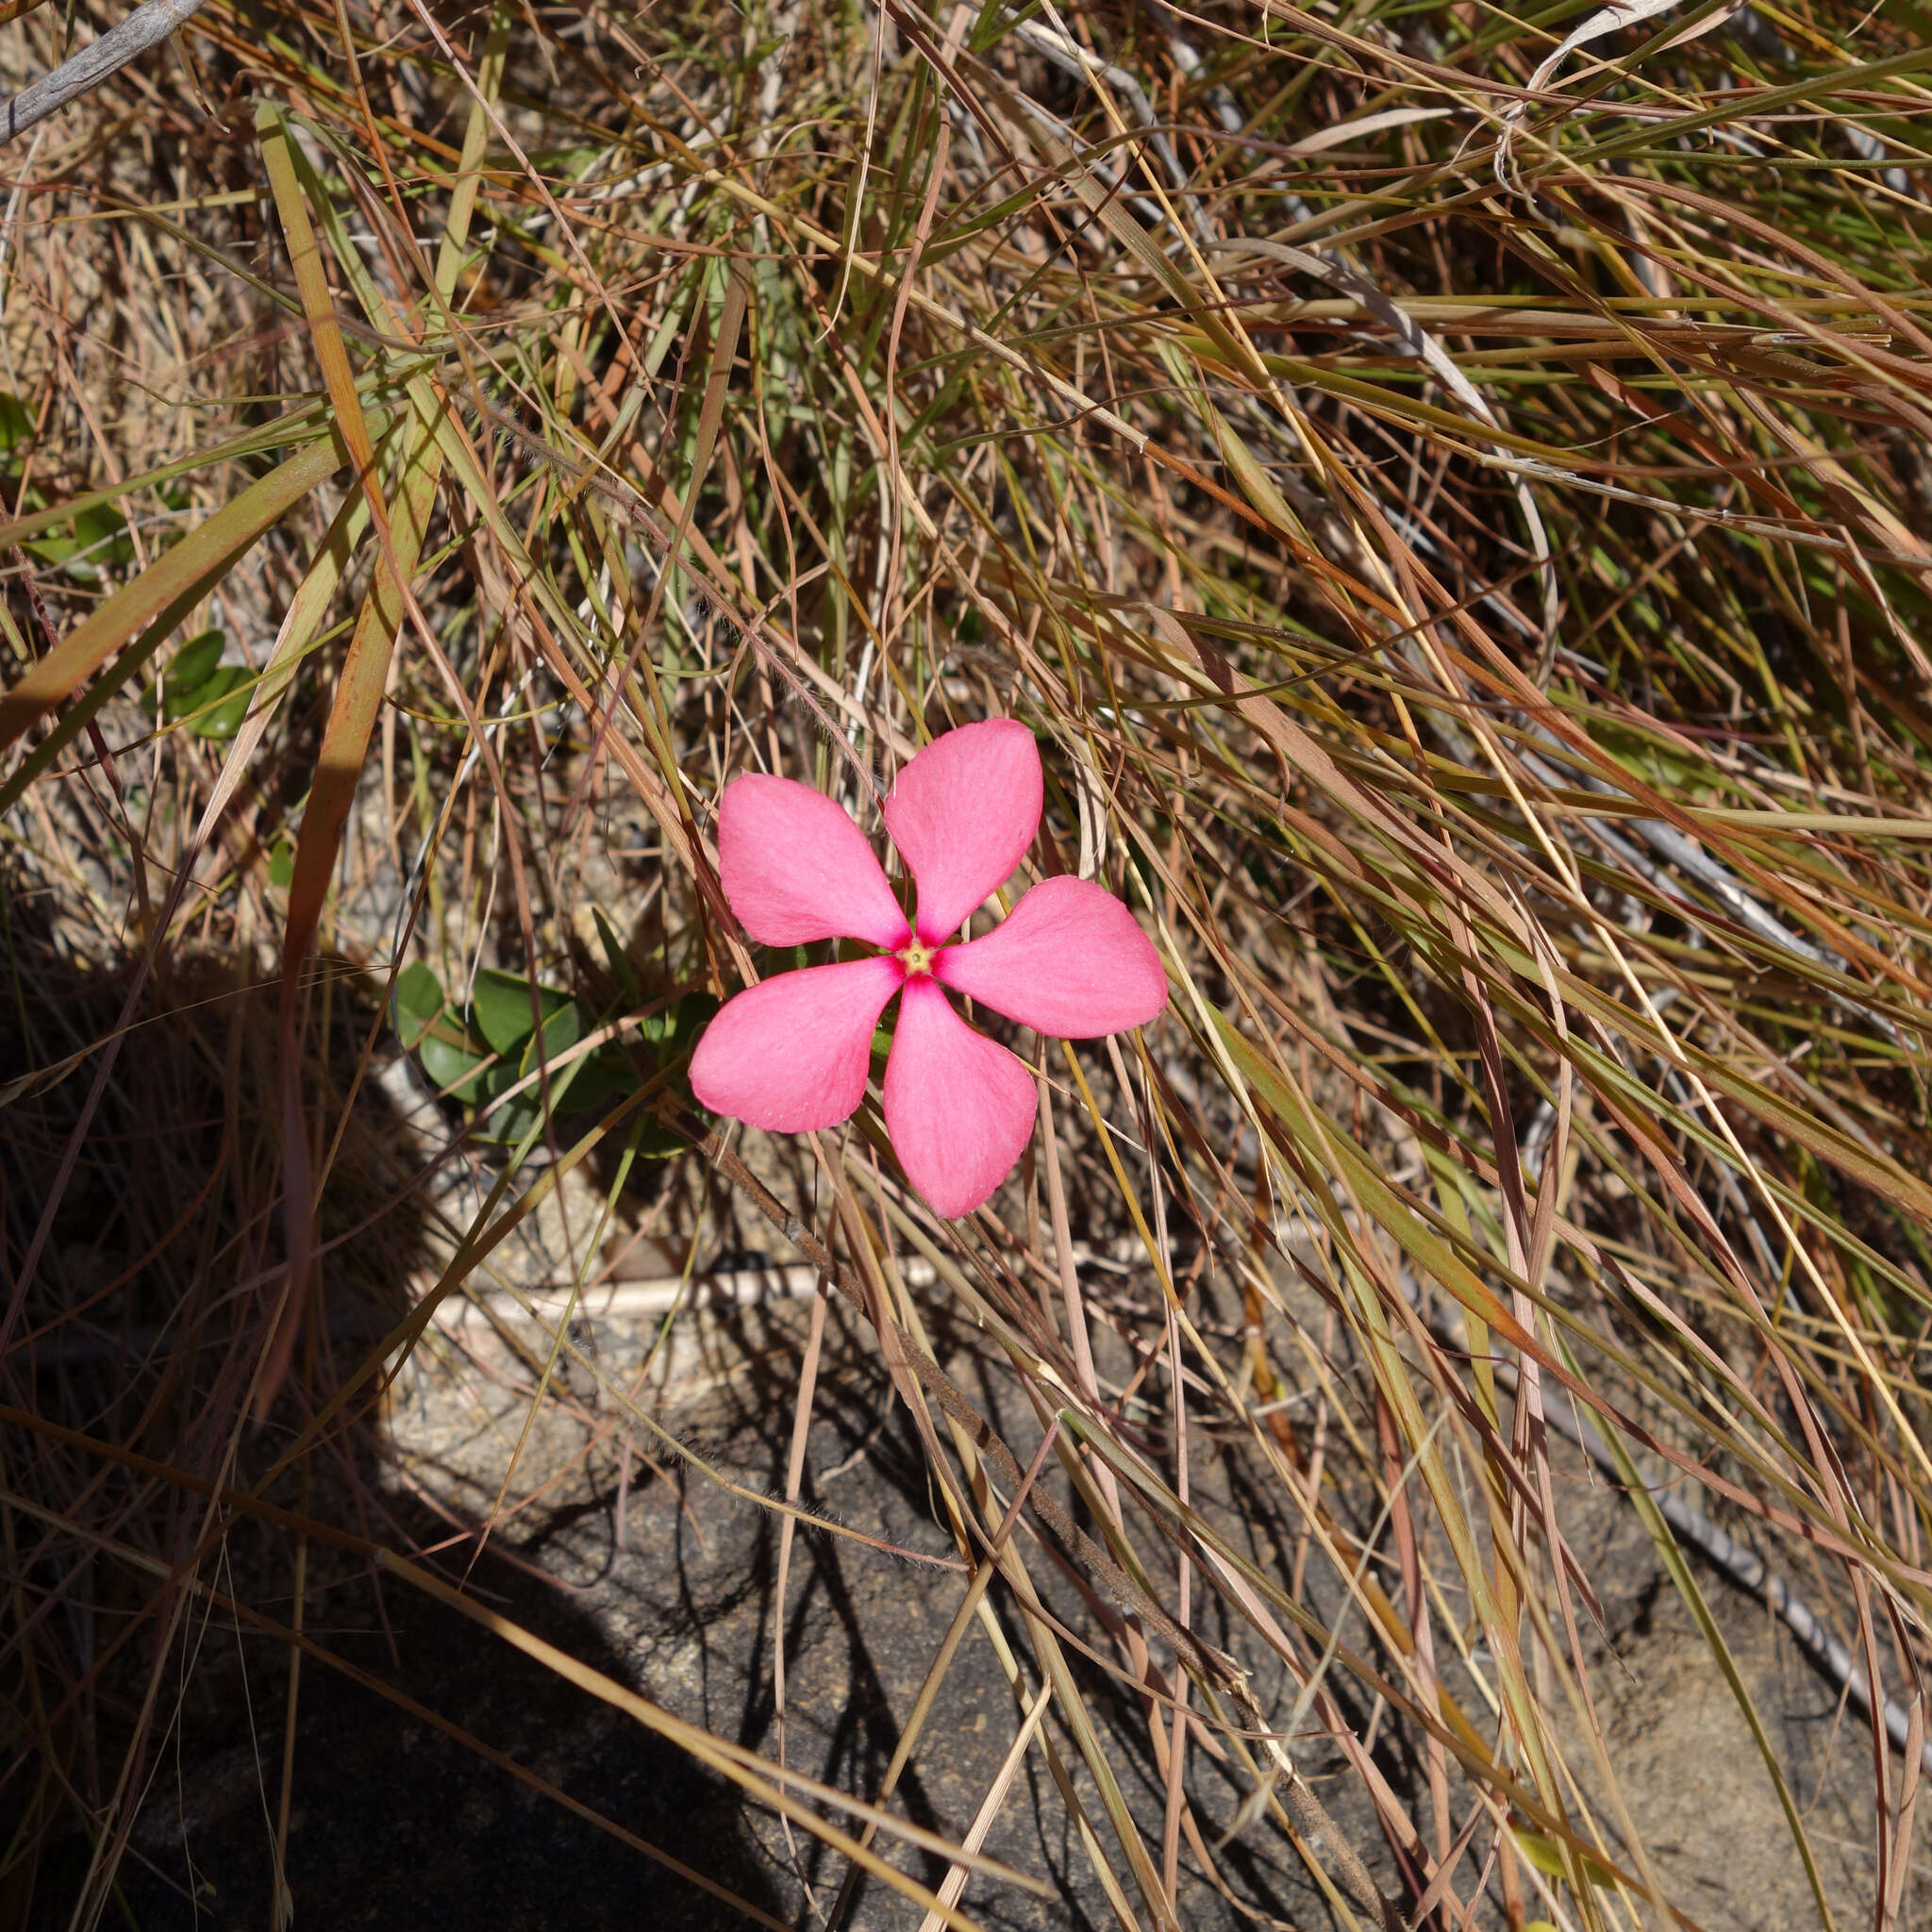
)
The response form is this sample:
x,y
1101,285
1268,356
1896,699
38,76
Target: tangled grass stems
x,y
1450,491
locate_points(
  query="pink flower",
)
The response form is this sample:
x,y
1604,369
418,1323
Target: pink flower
x,y
792,1052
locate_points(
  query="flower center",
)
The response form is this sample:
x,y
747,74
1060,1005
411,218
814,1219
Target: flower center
x,y
916,959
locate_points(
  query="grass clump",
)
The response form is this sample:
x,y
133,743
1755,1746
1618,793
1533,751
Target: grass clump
x,y
1449,491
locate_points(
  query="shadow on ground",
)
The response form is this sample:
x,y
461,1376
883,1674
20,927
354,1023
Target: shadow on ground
x,y
394,1825
140,1327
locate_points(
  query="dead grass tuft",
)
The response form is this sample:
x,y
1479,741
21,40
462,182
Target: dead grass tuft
x,y
1450,492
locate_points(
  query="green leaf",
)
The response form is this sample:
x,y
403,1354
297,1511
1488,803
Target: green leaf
x,y
16,421
281,864
606,1074
1544,1854
195,662
579,1089
102,523
618,959
657,1142
419,1002
695,1011
500,1009
452,1068
677,1026
992,25
509,1122
198,690
100,542
560,1031
218,707
1547,1854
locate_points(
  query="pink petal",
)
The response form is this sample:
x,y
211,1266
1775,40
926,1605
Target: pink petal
x,y
962,815
1069,960
958,1106
792,1052
796,869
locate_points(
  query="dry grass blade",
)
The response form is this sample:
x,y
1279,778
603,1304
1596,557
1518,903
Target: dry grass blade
x,y
1450,494
152,607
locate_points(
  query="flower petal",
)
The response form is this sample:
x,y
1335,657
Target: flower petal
x,y
958,1106
792,1052
796,869
1068,960
962,815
